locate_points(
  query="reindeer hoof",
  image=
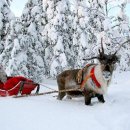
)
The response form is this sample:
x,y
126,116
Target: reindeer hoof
x,y
88,102
59,98
102,101
100,98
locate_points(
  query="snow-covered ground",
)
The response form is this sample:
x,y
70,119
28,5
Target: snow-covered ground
x,y
47,113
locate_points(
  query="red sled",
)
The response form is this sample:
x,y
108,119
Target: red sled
x,y
16,85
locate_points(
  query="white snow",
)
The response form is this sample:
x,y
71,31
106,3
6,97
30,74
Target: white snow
x,y
59,46
64,17
1,23
32,29
48,113
35,11
107,24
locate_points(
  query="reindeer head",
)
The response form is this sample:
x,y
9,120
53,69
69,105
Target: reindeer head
x,y
107,62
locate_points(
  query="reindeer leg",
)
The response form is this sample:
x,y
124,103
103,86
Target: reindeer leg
x,y
88,95
87,100
61,86
100,98
61,94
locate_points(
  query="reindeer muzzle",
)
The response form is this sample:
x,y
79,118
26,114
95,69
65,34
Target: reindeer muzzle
x,y
107,75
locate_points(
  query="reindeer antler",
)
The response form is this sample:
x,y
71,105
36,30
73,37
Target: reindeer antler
x,y
92,58
102,46
121,46
101,52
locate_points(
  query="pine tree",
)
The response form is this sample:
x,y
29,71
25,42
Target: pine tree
x,y
5,17
9,2
81,35
58,37
55,35
34,20
113,29
13,56
123,28
25,39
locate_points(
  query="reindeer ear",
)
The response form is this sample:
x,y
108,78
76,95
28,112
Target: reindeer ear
x,y
99,51
102,45
115,59
118,58
100,54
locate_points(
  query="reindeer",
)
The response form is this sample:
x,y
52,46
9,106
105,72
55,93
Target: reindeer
x,y
96,85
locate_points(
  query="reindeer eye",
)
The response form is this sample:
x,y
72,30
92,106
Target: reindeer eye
x,y
103,61
113,62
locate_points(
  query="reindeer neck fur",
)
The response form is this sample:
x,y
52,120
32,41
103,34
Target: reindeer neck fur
x,y
98,74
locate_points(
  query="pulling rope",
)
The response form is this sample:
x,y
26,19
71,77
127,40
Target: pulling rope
x,y
44,93
56,91
46,87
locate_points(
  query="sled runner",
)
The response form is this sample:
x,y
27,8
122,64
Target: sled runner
x,y
16,85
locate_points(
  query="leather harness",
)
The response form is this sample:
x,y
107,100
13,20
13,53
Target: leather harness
x,y
92,76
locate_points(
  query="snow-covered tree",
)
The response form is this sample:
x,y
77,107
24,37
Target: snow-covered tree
x,y
5,17
123,29
101,24
81,33
54,35
9,2
14,47
58,36
89,22
34,20
24,52
59,61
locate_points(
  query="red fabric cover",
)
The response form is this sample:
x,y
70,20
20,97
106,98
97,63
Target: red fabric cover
x,y
3,93
12,82
12,86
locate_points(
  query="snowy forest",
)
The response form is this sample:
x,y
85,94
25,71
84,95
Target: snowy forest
x,y
54,35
